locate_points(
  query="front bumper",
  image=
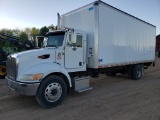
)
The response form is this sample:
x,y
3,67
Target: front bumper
x,y
29,89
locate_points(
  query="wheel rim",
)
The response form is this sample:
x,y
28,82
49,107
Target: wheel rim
x,y
139,73
2,70
53,92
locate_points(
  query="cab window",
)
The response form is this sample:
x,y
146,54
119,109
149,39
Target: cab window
x,y
79,41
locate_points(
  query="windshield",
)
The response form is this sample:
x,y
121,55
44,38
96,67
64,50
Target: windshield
x,y
54,39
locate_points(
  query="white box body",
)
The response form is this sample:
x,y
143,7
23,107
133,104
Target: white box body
x,y
114,37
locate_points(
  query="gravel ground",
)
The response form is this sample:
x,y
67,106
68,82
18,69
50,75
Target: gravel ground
x,y
112,98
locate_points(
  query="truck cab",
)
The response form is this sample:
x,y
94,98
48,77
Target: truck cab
x,y
68,43
47,72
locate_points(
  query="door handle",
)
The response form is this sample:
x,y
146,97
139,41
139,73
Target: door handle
x,y
74,48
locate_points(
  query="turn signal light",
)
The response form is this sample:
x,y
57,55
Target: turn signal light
x,y
37,76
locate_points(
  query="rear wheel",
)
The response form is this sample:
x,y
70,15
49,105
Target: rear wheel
x,y
137,72
51,92
3,70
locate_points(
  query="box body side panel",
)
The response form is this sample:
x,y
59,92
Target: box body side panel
x,y
124,39
113,37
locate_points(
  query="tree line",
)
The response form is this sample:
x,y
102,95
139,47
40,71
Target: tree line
x,y
24,34
28,33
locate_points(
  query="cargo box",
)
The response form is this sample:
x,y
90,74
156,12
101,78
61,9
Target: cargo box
x,y
114,37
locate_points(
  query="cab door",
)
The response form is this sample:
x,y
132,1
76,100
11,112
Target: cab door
x,y
74,57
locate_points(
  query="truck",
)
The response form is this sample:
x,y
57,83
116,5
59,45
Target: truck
x,y
92,40
158,45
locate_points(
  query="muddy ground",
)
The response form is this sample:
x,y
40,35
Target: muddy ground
x,y
112,98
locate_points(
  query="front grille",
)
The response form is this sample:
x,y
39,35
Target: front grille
x,y
11,68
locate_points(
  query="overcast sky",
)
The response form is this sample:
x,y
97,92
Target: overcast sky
x,y
39,13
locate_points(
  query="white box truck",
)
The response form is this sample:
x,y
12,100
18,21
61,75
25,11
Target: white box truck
x,y
93,39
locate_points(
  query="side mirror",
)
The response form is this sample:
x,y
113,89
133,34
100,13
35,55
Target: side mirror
x,y
73,39
45,42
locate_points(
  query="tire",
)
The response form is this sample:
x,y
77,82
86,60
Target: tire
x,y
3,70
51,91
137,72
129,71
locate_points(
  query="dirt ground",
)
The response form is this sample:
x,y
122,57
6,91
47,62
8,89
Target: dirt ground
x,y
112,98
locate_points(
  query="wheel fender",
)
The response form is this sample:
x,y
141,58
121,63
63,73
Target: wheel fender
x,y
63,70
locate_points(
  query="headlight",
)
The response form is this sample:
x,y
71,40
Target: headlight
x,y
31,77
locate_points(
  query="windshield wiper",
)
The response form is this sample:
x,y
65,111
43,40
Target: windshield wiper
x,y
51,46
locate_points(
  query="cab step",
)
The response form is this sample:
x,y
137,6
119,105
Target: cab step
x,y
82,84
84,89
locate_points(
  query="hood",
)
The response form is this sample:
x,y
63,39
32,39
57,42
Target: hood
x,y
32,57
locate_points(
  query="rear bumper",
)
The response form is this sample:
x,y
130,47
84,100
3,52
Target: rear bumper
x,y
29,89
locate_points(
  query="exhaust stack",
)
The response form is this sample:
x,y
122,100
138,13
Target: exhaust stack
x,y
58,21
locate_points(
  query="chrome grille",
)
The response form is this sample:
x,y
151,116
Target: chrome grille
x,y
11,68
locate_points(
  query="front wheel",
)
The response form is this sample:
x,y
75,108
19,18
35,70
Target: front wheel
x,y
3,70
51,92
